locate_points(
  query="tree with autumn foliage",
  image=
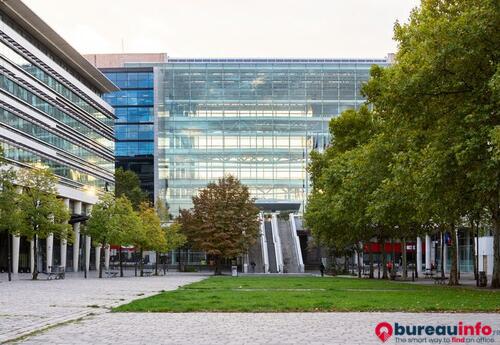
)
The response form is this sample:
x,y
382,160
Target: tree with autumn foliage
x,y
223,221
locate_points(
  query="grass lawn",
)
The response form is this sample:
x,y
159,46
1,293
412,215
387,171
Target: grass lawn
x,y
294,294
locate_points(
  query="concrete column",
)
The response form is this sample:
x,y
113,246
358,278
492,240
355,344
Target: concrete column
x,y
49,244
76,243
15,254
32,256
445,257
427,252
433,253
106,257
419,256
245,263
64,242
87,252
97,257
64,250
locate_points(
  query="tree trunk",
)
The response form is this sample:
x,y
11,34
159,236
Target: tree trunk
x,y
454,261
120,257
9,256
404,259
35,258
141,262
495,279
393,258
474,255
384,260
217,271
371,259
135,261
156,262
359,262
443,243
102,259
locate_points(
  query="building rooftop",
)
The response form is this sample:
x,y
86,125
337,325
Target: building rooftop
x,y
276,60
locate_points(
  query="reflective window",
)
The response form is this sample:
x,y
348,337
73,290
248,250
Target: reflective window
x,y
40,133
257,119
27,157
52,111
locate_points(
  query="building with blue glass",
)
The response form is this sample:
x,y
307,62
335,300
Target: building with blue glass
x,y
134,108
257,119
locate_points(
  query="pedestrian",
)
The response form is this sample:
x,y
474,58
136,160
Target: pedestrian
x,y
322,269
253,266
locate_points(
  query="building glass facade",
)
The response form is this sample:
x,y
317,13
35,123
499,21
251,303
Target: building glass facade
x,y
134,106
49,117
257,119
52,116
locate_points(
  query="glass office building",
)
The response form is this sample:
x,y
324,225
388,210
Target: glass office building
x,y
257,119
52,116
134,132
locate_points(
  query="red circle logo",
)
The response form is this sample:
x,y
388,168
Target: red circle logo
x,y
383,331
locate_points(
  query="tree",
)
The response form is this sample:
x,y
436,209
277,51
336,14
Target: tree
x,y
223,221
174,238
10,212
127,183
152,233
42,212
443,92
111,222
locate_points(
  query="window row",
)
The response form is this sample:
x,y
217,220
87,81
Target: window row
x,y
27,157
134,132
134,114
243,142
131,80
52,83
47,108
134,148
44,135
130,97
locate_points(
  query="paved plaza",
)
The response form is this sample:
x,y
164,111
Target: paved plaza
x,y
78,310
27,306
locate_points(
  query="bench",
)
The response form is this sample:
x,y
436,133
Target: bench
x,y
111,274
440,280
428,274
57,272
147,273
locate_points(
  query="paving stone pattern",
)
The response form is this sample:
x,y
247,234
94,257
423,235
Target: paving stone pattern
x,y
26,305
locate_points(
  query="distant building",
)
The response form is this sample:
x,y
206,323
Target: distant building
x,y
134,107
52,116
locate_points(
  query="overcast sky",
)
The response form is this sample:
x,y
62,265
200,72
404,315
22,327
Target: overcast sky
x,y
228,28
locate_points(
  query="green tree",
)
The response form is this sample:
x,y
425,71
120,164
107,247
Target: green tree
x,y
153,234
442,96
10,212
111,222
42,212
223,221
174,238
127,183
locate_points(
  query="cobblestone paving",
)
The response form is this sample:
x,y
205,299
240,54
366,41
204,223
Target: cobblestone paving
x,y
27,305
238,328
